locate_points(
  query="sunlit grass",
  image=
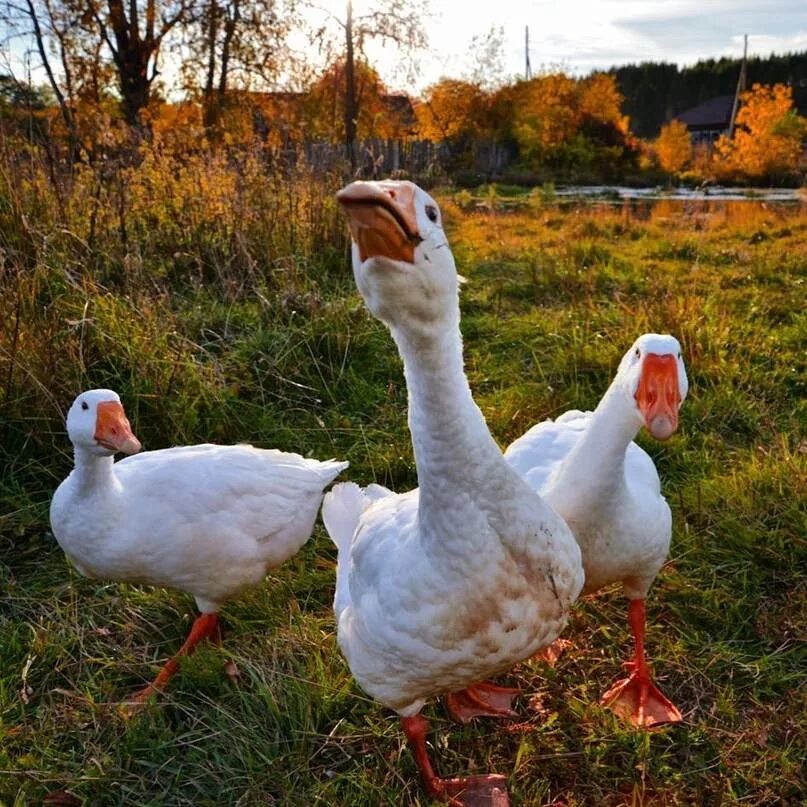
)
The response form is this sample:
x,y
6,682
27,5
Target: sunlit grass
x,y
247,327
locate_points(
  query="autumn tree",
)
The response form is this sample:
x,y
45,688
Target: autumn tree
x,y
459,110
75,39
395,22
603,131
601,102
550,111
134,33
325,102
567,124
546,116
452,109
238,45
768,134
674,147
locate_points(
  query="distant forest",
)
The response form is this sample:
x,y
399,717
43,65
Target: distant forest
x,y
656,91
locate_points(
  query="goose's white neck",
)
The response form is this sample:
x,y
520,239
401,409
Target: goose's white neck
x,y
92,472
454,450
594,469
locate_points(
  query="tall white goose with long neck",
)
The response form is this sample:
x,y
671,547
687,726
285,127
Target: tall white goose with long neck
x,y
608,491
444,586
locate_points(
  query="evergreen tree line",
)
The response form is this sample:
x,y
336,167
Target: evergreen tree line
x,y
654,92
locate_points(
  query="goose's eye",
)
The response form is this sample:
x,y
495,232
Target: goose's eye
x,y
638,352
85,406
679,355
431,212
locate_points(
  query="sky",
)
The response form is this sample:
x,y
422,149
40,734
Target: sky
x,y
582,35
577,35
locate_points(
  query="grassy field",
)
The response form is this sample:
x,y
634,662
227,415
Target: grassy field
x,y
232,315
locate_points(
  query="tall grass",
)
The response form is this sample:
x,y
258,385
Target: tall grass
x,y
142,278
213,293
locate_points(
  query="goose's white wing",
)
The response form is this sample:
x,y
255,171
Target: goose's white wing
x,y
253,493
538,452
205,519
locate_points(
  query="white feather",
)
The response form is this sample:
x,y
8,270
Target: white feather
x,y
604,485
206,519
458,580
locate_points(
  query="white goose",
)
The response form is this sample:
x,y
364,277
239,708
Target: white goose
x,y
446,585
206,519
607,489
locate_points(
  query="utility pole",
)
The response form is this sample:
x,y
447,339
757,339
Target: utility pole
x,y
741,82
527,68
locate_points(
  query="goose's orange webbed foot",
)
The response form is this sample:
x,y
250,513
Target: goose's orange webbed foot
x,y
486,790
636,697
639,700
481,700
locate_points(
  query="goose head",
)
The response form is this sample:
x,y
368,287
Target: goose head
x,y
652,373
97,423
402,263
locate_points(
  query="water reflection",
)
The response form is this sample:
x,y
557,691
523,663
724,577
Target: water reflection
x,y
698,213
616,193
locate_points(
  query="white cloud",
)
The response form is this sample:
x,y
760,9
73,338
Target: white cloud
x,y
583,35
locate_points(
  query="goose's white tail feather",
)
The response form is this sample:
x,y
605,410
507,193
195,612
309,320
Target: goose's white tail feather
x,y
571,414
373,492
341,510
330,469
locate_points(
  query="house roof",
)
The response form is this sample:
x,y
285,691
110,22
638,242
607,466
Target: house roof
x,y
712,114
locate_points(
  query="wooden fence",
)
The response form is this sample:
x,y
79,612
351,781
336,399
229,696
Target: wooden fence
x,y
382,158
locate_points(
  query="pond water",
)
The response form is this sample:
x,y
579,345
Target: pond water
x,y
759,216
715,206
711,193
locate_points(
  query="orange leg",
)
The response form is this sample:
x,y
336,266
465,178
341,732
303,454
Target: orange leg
x,y
488,790
636,697
481,700
206,626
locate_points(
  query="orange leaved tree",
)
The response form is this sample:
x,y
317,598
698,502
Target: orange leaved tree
x,y
547,115
452,109
768,135
325,103
674,147
569,124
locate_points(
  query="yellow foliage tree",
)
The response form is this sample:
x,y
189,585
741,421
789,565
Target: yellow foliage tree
x,y
325,103
569,124
674,147
768,134
450,109
601,101
547,114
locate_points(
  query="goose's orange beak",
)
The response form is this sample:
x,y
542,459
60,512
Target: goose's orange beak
x,y
112,429
658,396
381,217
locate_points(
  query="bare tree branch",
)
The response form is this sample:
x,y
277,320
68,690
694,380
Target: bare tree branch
x,y
64,109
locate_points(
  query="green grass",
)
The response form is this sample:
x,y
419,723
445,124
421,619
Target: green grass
x,y
237,340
